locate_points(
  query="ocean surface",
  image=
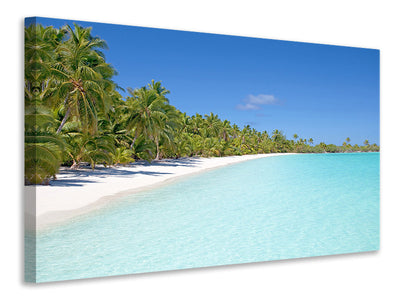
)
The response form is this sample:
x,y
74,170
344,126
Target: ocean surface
x,y
260,210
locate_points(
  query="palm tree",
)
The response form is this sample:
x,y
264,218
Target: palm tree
x,y
235,131
84,147
158,89
197,123
84,77
147,114
74,113
242,137
185,122
226,130
278,139
212,147
183,145
122,156
323,146
114,122
212,125
169,128
143,150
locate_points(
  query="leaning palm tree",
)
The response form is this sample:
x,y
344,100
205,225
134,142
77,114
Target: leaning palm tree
x,y
84,78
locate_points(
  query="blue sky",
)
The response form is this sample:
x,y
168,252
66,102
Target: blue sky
x,y
319,91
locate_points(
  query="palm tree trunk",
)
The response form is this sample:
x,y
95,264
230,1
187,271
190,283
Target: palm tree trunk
x,y
158,153
74,165
133,142
158,149
64,120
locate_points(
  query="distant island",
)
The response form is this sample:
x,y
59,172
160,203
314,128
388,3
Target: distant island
x,y
75,114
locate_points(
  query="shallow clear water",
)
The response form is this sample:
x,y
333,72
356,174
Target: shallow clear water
x,y
265,209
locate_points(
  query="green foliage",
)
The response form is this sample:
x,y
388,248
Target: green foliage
x,y
43,148
144,149
122,156
67,83
83,147
84,78
74,114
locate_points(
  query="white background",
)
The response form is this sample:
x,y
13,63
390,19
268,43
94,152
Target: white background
x,y
371,24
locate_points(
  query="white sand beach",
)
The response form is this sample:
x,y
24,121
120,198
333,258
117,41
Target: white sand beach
x,y
77,192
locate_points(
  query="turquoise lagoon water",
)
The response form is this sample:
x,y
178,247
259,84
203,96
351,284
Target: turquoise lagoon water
x,y
265,209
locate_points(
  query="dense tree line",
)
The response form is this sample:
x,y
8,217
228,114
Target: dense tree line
x,y
75,114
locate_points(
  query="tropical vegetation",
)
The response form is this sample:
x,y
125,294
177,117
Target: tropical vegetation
x,y
75,114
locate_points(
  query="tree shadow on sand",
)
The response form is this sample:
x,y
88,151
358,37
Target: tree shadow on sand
x,y
187,162
102,172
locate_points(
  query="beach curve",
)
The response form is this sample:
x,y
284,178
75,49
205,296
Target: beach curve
x,y
78,192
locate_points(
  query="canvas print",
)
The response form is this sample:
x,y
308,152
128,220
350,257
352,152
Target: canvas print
x,y
152,150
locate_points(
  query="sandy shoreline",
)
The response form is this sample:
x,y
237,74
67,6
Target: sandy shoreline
x,y
76,192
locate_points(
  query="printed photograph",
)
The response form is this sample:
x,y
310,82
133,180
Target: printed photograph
x,y
152,150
